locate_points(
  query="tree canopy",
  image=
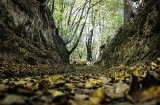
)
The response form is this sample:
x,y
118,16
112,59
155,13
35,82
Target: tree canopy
x,y
77,18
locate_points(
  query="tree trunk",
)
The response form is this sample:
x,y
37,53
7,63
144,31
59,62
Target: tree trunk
x,y
81,31
89,37
89,45
52,10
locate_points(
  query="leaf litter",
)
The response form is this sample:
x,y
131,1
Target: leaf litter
x,y
122,85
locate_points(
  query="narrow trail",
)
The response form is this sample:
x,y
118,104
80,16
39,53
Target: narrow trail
x,y
88,69
87,85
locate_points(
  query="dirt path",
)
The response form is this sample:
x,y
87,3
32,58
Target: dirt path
x,y
86,85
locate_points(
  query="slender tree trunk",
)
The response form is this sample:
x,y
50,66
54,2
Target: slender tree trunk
x,y
70,13
89,38
82,28
52,11
89,45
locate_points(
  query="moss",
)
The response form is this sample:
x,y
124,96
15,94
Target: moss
x,y
25,6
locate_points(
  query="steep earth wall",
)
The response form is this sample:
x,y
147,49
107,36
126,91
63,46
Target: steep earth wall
x,y
138,41
28,33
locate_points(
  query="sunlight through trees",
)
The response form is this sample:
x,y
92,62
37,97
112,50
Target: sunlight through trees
x,y
85,25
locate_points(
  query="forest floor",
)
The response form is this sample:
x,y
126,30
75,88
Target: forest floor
x,y
86,85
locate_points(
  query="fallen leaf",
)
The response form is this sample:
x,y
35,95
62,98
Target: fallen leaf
x,y
105,80
20,82
84,102
81,97
92,83
70,85
121,76
55,93
3,87
118,90
54,78
158,59
13,99
151,93
98,96
153,65
121,89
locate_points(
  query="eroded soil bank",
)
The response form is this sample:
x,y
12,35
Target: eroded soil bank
x,y
138,41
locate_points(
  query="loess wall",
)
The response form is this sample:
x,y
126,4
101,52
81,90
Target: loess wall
x,y
28,33
138,41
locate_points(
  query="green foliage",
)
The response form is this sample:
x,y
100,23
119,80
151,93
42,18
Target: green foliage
x,y
107,14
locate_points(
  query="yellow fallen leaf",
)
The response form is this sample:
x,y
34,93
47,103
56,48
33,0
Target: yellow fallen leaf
x,y
135,72
153,65
158,59
98,96
21,82
54,78
36,86
70,85
142,74
92,82
88,84
55,93
121,76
